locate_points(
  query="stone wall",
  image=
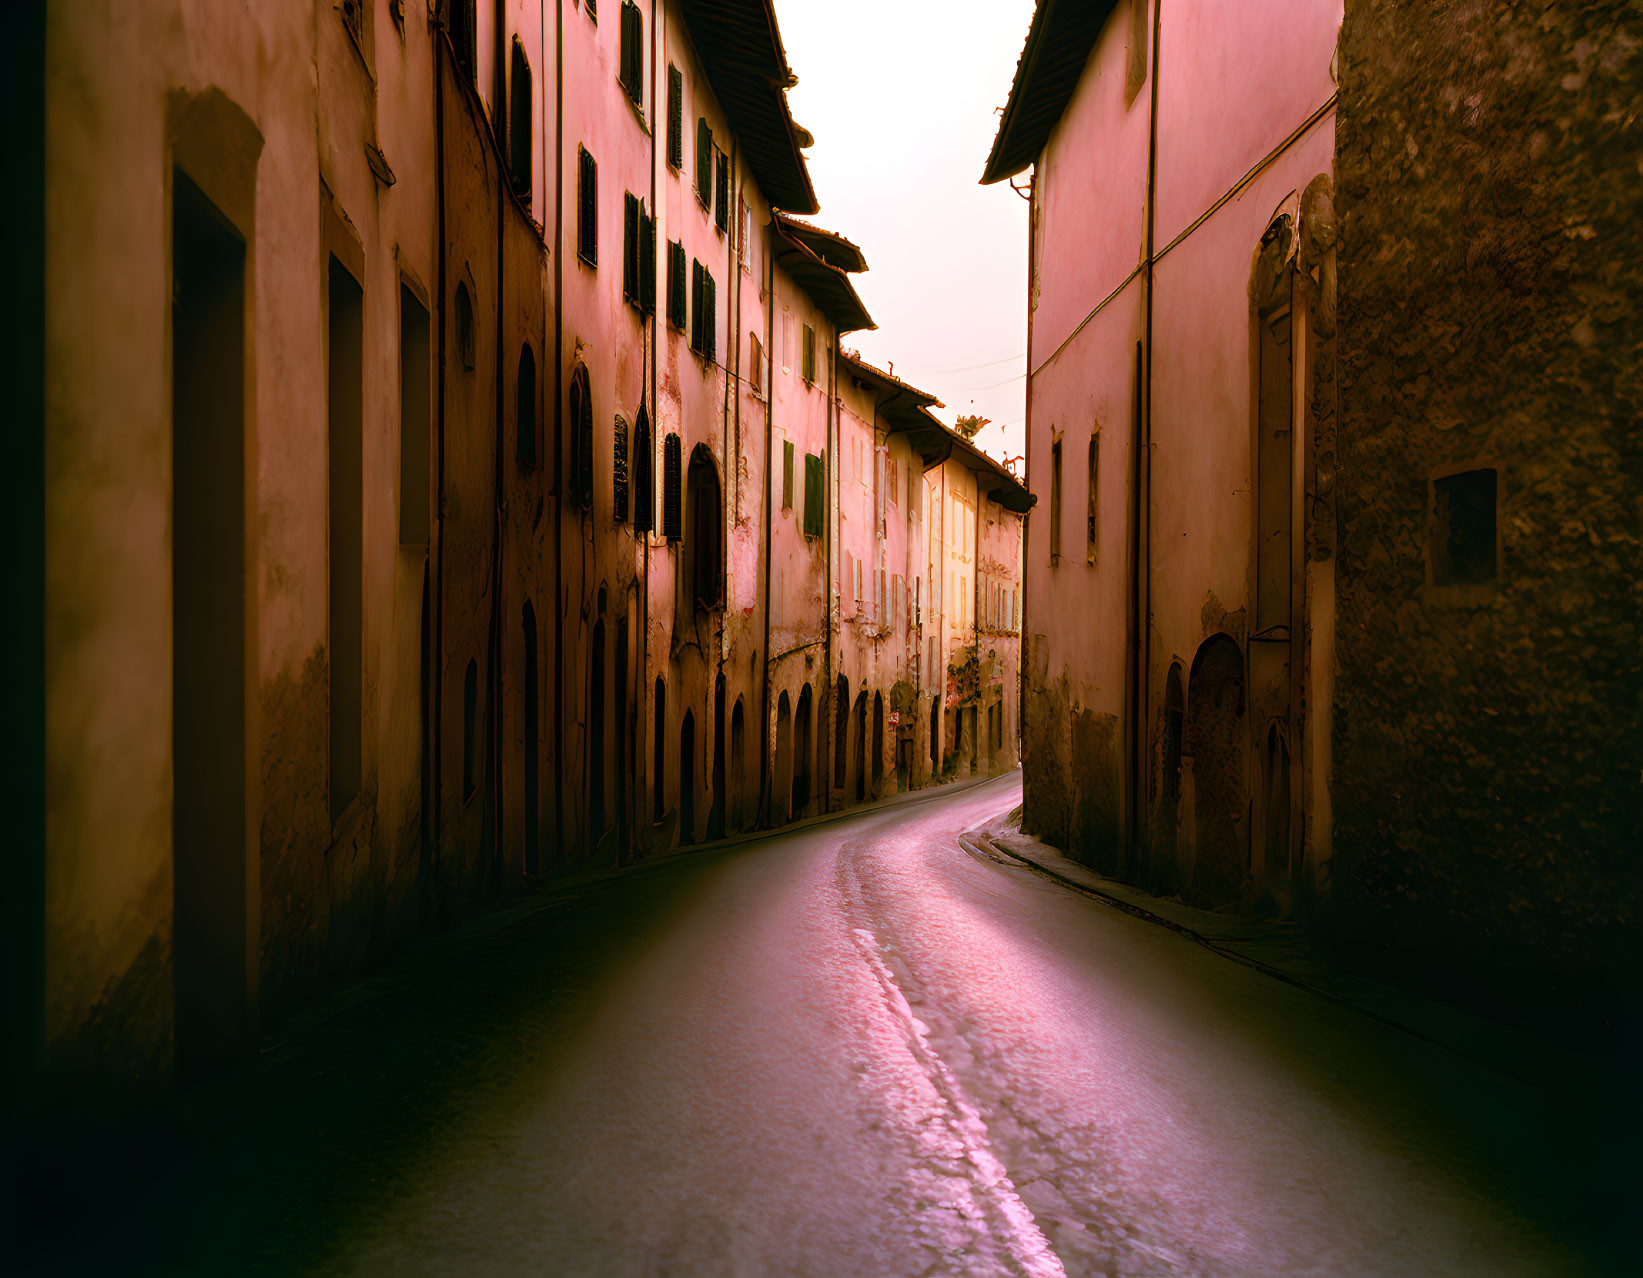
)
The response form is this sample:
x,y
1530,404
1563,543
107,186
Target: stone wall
x,y
1486,736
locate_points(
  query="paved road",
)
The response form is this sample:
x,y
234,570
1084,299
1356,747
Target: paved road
x,y
851,1049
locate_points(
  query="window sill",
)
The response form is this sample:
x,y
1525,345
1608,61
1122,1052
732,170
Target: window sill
x,y
592,263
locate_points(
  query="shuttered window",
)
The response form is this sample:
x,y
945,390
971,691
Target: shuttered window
x,y
721,212
815,489
630,247
710,319
880,456
632,73
619,472
1055,502
695,305
581,418
671,480
647,262
676,299
587,208
675,118
807,356
704,163
787,474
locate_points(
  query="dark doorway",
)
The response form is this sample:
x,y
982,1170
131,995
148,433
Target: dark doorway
x,y
211,944
781,783
658,763
738,767
345,393
1215,737
878,742
841,732
687,778
935,735
533,781
596,737
425,669
1279,859
861,746
716,813
624,763
801,753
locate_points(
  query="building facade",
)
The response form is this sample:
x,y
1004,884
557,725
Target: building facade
x,y
1297,507
443,422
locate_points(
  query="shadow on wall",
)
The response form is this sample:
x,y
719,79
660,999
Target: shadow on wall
x,y
1213,757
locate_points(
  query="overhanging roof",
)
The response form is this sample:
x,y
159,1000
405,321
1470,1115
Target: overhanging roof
x,y
828,286
935,443
898,403
1058,45
740,48
832,248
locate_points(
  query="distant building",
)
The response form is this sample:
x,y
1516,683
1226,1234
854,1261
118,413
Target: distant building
x,y
1326,605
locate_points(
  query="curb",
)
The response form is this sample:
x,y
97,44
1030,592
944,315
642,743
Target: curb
x,y
985,845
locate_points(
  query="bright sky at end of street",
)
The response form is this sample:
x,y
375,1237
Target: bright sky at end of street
x,y
900,145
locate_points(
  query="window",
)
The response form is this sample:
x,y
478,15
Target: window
x,y
815,491
807,354
858,585
706,526
721,214
644,475
587,208
525,408
1135,68
353,18
619,471
647,262
593,11
415,416
519,123
670,487
464,33
704,320
632,73
675,118
1055,502
787,341
741,232
658,767
704,163
787,474
676,300
632,212
755,365
1092,533
581,433
1464,525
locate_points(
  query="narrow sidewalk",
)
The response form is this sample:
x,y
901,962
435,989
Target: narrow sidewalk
x,y
1283,951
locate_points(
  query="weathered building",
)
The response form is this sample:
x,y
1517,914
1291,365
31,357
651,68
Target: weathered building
x,y
1319,588
441,420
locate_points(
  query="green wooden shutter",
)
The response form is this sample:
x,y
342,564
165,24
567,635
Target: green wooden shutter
x,y
695,304
710,316
721,214
647,263
587,224
787,474
675,118
630,246
619,472
814,489
704,162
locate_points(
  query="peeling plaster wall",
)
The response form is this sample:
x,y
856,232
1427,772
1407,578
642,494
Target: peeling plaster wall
x,y
1487,739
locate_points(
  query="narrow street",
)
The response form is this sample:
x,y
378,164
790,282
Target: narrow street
x,y
851,1048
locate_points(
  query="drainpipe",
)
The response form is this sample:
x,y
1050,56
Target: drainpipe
x,y
1143,603
733,398
637,740
1024,646
559,431
769,461
830,691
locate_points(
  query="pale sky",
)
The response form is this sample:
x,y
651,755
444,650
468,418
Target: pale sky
x,y
902,97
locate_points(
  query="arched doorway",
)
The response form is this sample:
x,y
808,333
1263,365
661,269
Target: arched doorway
x,y
841,732
716,812
687,778
624,761
533,732
781,781
1214,736
801,753
658,763
878,743
738,767
861,746
935,737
